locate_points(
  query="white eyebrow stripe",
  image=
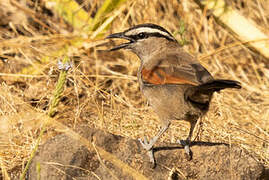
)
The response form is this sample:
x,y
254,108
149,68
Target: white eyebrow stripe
x,y
147,30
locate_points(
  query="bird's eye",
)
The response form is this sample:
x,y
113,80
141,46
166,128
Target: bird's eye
x,y
141,35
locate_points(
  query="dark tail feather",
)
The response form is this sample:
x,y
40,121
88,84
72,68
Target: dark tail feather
x,y
200,96
217,85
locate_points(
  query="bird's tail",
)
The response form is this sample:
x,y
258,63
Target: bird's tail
x,y
219,84
201,95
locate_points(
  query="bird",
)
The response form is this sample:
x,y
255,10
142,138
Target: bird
x,y
173,81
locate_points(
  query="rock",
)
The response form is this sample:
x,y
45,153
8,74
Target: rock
x,y
62,157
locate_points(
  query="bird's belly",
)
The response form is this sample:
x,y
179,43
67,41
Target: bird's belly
x,y
169,103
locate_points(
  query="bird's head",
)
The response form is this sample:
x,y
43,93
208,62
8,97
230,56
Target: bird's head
x,y
143,38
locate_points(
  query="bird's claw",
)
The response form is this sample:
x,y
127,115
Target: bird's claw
x,y
187,149
151,158
148,146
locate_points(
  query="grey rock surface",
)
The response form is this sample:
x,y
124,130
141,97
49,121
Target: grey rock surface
x,y
65,158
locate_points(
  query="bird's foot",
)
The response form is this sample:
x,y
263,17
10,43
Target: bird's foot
x,y
186,145
148,146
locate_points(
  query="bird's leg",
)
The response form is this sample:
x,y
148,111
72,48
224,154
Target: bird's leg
x,y
187,142
148,145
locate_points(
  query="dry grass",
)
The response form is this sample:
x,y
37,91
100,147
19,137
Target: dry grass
x,y
102,90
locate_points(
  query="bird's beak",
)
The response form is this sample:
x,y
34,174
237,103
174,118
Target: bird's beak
x,y
120,36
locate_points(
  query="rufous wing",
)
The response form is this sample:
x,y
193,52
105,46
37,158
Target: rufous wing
x,y
173,71
159,76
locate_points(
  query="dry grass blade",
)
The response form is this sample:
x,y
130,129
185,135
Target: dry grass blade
x,y
239,25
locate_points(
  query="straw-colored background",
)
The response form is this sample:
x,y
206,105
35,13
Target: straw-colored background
x,y
101,88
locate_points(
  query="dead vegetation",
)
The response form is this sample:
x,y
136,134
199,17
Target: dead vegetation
x,y
101,88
